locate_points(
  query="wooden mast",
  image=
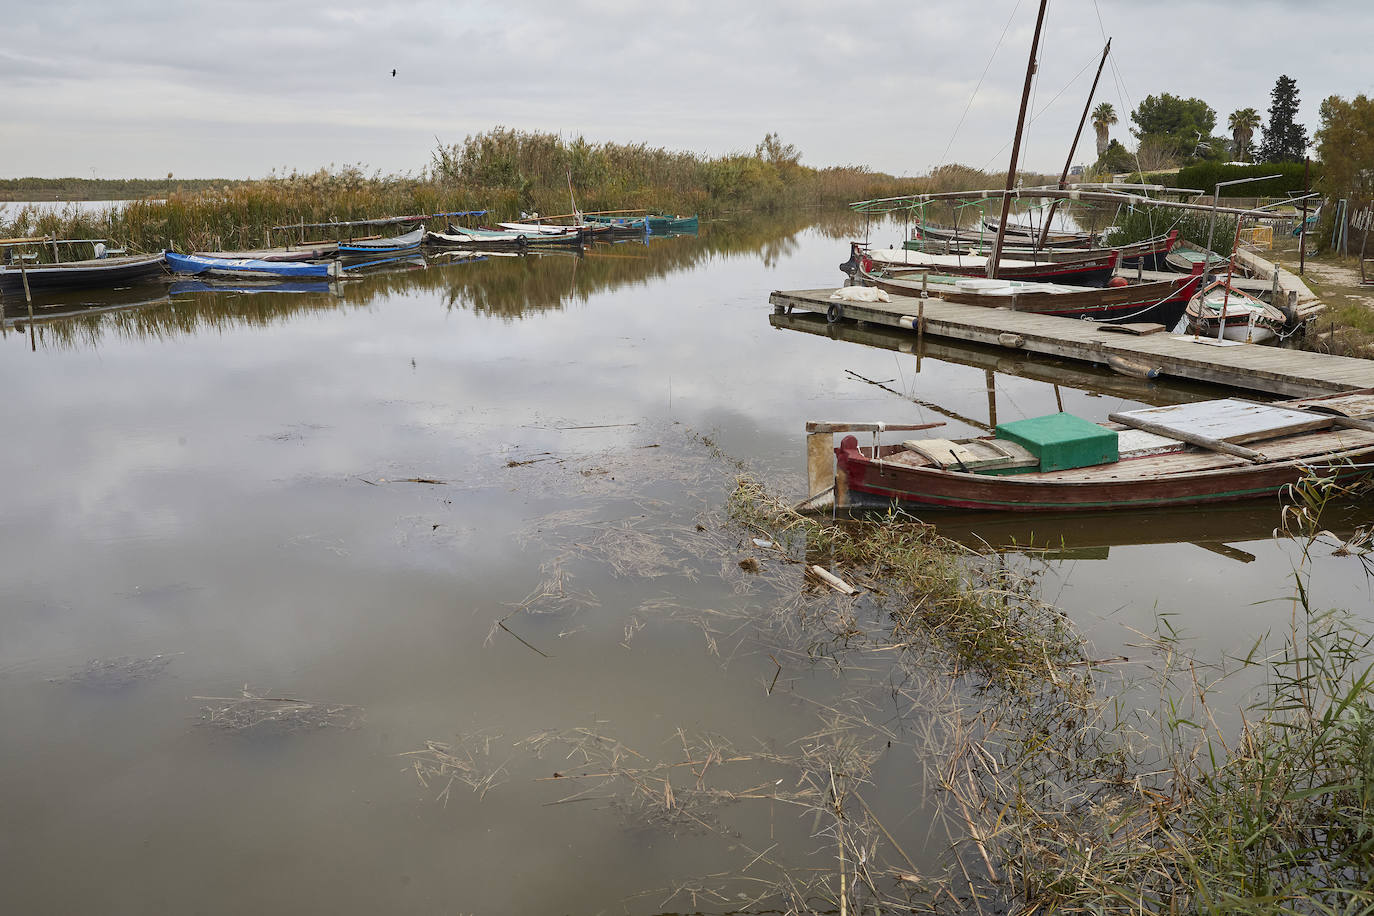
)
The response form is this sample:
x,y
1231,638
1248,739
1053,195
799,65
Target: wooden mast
x,y
1068,163
1016,144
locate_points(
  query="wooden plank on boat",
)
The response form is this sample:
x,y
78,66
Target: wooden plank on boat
x,y
973,454
1355,406
1136,328
1136,443
1230,420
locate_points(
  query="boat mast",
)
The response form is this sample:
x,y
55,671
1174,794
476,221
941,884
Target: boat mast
x,y
1064,175
1016,144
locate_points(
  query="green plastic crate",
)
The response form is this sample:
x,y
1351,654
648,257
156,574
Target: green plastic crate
x,y
1062,441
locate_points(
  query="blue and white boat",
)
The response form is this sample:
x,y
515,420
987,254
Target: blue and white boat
x,y
367,249
248,268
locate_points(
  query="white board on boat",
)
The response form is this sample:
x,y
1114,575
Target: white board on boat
x,y
1228,420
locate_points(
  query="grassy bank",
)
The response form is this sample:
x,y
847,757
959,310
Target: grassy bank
x,y
504,171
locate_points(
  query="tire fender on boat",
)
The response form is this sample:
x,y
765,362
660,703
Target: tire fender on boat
x,y
833,312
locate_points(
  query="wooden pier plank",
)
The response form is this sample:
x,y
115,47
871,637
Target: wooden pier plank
x,y
1293,373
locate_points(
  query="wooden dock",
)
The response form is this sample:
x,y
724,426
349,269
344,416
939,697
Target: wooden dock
x,y
1273,370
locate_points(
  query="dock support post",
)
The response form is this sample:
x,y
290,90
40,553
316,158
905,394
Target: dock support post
x,y
820,462
991,378
28,297
920,330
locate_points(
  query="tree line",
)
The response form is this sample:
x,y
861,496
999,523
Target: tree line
x,y
1172,131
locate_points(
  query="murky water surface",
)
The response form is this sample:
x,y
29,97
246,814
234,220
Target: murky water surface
x,y
259,548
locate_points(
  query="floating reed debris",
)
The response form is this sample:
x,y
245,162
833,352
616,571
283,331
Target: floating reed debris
x,y
116,673
250,712
468,762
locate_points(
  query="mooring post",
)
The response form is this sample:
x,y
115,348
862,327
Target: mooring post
x,y
920,331
28,298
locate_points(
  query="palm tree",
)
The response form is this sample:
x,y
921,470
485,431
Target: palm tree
x,y
1104,116
1243,124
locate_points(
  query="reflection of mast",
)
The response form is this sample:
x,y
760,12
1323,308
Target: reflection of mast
x,y
943,411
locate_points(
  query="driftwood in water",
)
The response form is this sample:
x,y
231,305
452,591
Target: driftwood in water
x,y
832,580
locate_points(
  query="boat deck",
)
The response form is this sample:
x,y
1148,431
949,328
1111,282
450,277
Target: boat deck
x,y
1272,370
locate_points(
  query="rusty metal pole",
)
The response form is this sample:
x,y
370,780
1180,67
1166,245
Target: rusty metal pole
x,y
1016,144
1302,226
1073,147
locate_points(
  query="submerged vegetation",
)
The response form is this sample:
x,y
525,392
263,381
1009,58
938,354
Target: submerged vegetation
x,y
1059,793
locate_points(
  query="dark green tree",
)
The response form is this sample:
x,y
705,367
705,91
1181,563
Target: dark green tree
x,y
1115,159
1283,139
1183,127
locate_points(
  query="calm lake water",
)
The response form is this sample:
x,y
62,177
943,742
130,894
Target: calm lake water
x,y
483,504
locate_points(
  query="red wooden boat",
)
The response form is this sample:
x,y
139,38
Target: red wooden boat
x,y
1160,459
1086,270
1161,301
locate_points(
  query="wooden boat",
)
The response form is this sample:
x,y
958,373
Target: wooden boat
x,y
624,223
1185,256
249,268
321,251
478,239
1149,254
532,230
76,274
982,235
1221,310
679,224
1161,301
1089,270
372,248
1014,231
1182,455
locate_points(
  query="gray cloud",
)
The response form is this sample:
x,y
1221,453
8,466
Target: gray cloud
x,y
141,89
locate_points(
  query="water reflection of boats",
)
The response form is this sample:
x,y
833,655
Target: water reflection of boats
x,y
181,287
1179,455
70,304
1091,535
995,359
404,262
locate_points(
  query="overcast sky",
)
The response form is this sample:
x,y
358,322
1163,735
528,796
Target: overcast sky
x,y
140,89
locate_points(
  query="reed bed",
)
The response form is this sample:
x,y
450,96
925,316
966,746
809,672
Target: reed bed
x,y
503,171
